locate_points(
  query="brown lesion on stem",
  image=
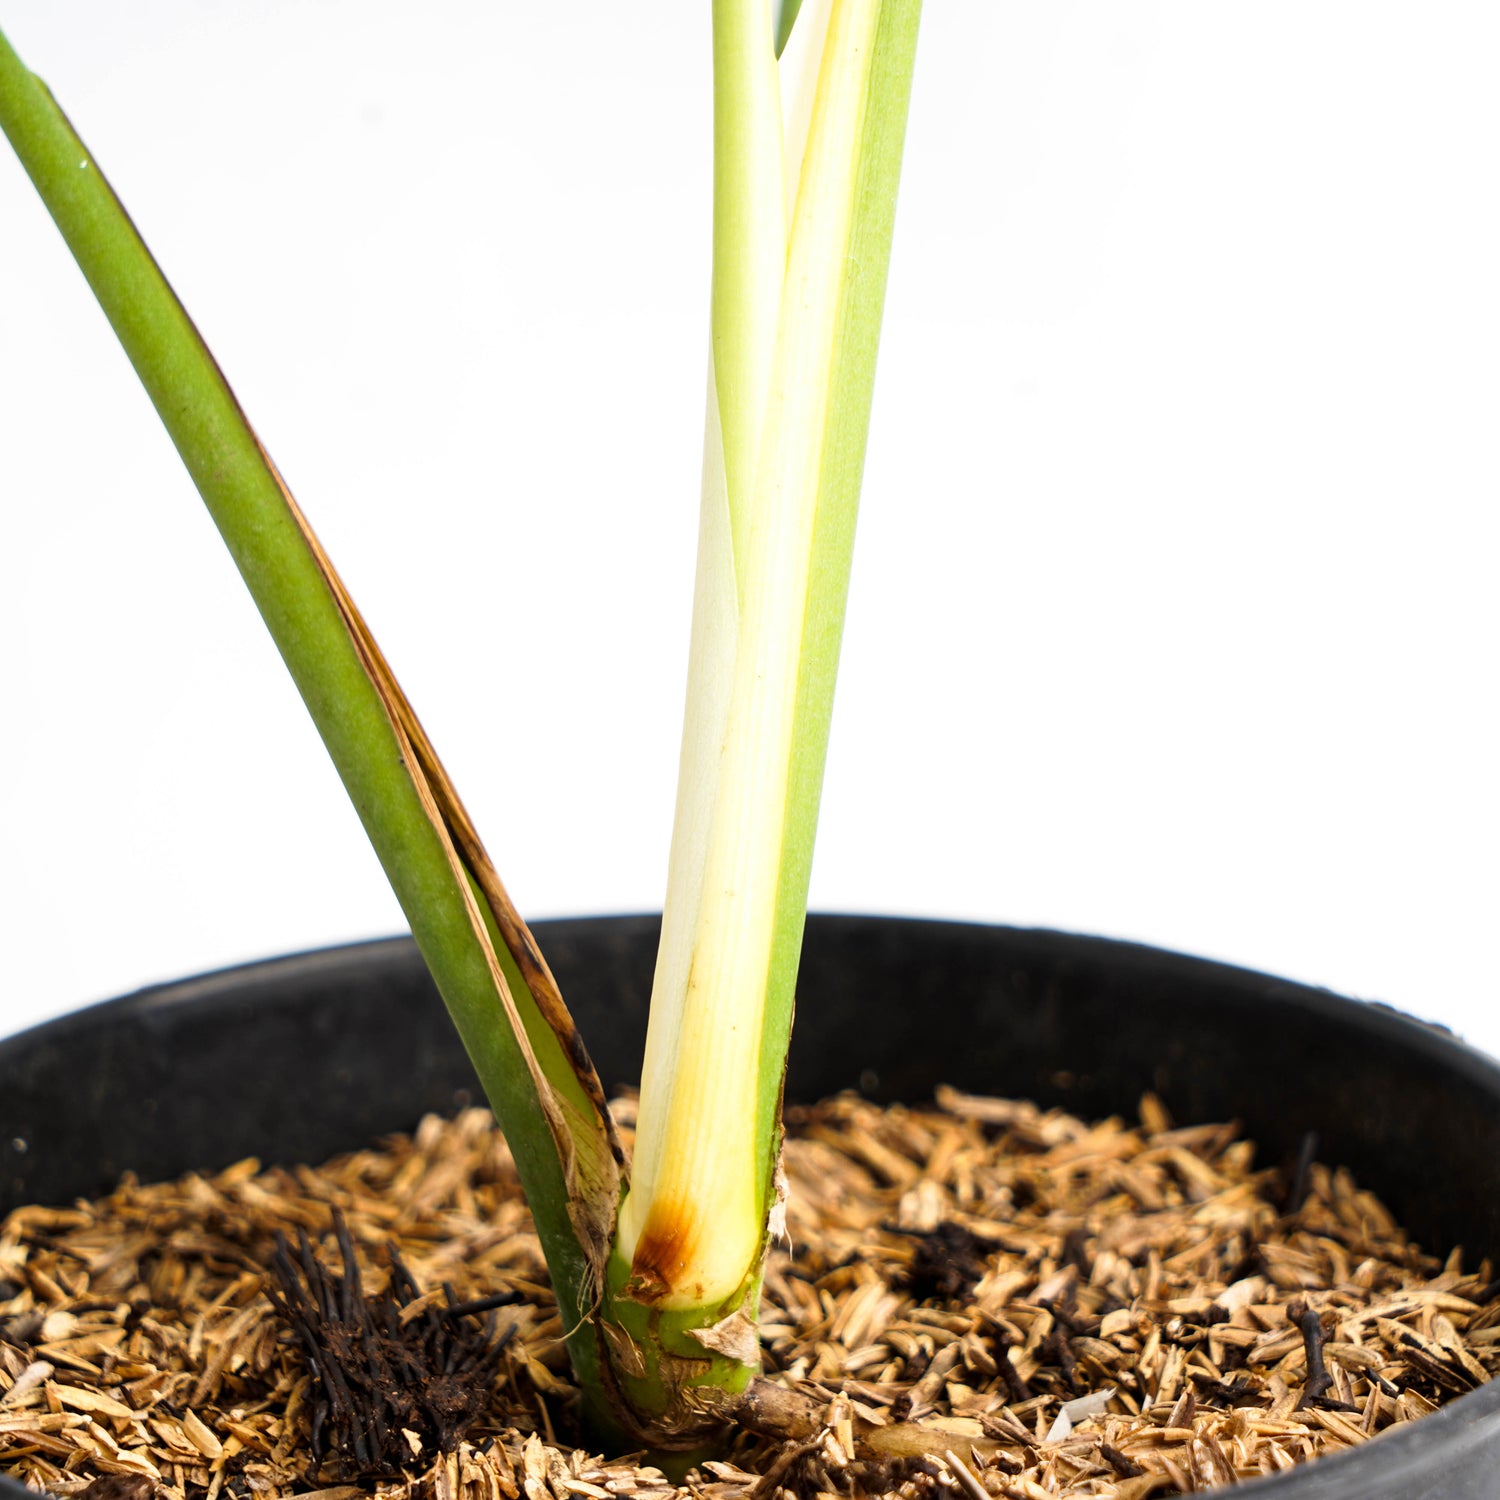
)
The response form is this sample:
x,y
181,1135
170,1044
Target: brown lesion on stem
x,y
666,1247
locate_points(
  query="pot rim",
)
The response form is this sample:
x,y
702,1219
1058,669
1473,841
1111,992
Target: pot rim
x,y
1406,1453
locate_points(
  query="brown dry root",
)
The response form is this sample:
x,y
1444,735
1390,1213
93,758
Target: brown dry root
x,y
818,1434
396,1375
796,1418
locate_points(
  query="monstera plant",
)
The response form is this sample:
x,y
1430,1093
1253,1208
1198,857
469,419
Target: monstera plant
x,y
656,1261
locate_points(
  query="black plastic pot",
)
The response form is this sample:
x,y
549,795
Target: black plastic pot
x,y
297,1058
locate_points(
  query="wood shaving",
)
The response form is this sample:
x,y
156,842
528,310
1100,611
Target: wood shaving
x,y
961,1279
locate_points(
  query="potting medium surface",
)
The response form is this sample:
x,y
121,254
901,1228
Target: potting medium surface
x,y
981,1295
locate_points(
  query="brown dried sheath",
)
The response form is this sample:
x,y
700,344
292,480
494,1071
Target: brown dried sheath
x,y
470,861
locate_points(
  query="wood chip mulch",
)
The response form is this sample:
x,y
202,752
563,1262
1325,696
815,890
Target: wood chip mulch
x,y
985,1300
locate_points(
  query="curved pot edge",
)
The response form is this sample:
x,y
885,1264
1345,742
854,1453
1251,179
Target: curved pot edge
x,y
1428,1038
1405,1454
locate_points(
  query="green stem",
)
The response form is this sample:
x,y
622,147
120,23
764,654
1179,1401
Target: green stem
x,y
749,242
330,665
842,471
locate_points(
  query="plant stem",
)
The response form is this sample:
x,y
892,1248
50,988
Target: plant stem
x,y
494,984
749,243
694,1227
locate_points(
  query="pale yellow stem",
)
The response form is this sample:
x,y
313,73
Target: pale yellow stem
x,y
694,1222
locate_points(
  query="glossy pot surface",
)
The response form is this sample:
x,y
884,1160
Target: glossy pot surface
x,y
298,1058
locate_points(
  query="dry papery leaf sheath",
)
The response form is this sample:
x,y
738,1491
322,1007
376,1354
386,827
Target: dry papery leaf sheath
x,y
524,1048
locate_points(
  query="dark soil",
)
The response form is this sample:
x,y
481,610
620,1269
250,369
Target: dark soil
x,y
392,1377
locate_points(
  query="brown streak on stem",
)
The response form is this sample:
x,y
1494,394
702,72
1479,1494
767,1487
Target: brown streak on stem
x,y
448,813
438,795
666,1246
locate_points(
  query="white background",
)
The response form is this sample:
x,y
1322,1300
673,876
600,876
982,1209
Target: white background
x,y
1174,612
